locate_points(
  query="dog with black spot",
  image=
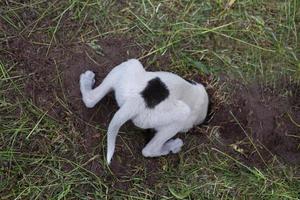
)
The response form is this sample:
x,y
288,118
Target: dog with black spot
x,y
162,101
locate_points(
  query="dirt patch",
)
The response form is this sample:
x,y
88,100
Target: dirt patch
x,y
259,124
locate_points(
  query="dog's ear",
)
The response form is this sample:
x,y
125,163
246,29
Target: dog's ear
x,y
191,81
209,114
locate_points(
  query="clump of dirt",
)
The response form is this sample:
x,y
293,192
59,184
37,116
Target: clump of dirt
x,y
259,124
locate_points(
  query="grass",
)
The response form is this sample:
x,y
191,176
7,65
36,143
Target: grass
x,y
41,157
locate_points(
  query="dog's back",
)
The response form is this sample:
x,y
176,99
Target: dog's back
x,y
133,79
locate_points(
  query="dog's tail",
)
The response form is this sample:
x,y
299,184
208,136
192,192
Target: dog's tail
x,y
127,111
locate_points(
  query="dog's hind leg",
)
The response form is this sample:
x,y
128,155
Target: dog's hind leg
x,y
172,122
162,144
87,79
91,96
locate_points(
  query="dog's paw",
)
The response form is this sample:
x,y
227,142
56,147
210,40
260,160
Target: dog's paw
x,y
87,79
174,145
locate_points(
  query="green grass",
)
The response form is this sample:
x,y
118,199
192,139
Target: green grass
x,y
243,39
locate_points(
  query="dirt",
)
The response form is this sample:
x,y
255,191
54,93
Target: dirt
x,y
259,124
52,85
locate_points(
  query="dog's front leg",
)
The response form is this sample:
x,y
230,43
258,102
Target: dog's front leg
x,y
172,117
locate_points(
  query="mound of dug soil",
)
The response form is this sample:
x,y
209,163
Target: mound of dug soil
x,y
259,124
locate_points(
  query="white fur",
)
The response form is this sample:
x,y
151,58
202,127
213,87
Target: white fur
x,y
185,106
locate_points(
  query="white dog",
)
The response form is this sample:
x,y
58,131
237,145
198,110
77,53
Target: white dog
x,y
158,100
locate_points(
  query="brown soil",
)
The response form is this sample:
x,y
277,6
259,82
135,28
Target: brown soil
x,y
259,124
52,85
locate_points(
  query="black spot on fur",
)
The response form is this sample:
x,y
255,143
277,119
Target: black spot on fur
x,y
155,92
191,82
